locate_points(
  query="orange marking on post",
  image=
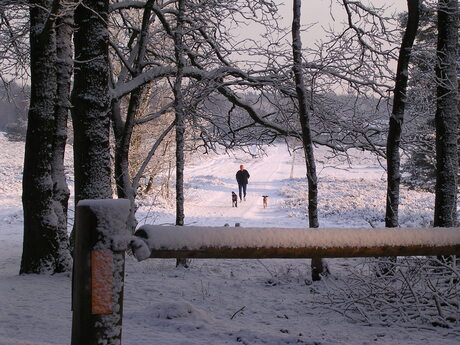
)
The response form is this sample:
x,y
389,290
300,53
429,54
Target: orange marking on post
x,y
101,282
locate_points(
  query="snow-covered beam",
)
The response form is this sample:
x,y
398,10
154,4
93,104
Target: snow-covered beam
x,y
225,242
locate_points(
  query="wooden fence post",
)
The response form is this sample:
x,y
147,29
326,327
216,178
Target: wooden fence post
x,y
98,275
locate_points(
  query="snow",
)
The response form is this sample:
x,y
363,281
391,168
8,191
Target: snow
x,y
222,301
113,228
174,238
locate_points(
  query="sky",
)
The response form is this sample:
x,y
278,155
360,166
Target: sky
x,y
317,17
325,13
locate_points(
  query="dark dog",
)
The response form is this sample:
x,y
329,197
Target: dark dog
x,y
265,200
234,200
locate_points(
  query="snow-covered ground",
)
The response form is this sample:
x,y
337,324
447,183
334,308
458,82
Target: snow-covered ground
x,y
223,301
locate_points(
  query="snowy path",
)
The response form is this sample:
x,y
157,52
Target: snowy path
x,y
209,187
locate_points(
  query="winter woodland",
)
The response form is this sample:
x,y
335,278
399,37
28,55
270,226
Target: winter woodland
x,y
159,102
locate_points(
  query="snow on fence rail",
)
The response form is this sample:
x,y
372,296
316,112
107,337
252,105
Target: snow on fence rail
x,y
102,238
238,242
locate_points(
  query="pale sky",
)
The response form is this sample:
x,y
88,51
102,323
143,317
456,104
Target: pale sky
x,y
318,12
316,15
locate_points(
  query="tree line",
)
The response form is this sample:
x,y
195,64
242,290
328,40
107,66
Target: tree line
x,y
131,75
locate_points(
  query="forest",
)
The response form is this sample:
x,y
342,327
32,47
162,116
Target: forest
x,y
138,89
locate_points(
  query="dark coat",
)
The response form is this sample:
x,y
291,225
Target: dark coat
x,y
242,176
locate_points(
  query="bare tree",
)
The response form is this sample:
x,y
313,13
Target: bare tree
x,y
179,111
132,73
304,118
180,118
397,115
123,129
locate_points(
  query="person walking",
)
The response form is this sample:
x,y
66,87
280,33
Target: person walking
x,y
242,177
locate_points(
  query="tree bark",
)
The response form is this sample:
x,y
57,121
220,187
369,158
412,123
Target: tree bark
x,y
122,145
179,111
446,118
90,100
397,116
64,70
43,250
317,264
180,120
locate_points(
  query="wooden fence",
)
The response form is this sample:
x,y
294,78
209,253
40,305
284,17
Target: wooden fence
x,y
102,239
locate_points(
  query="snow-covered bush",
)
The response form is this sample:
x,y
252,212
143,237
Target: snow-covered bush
x,y
358,201
422,291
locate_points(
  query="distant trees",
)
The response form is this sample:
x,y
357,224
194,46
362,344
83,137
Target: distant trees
x,y
14,67
14,103
14,41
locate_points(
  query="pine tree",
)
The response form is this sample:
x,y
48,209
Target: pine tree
x,y
419,167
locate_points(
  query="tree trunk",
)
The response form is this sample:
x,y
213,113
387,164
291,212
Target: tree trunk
x,y
92,164
42,247
446,118
90,100
397,116
386,265
179,111
304,117
180,121
122,145
64,66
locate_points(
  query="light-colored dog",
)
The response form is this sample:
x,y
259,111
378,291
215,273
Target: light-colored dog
x,y
265,201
